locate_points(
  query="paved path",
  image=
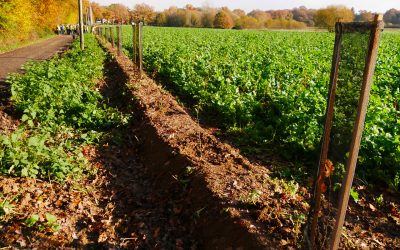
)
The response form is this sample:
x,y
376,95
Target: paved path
x,y
13,60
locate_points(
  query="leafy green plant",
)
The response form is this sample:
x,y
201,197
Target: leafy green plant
x,y
252,197
31,220
61,110
6,208
379,200
354,195
51,222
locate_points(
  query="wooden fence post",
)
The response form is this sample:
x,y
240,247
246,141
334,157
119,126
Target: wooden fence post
x,y
140,40
134,27
112,36
119,42
358,129
350,154
108,34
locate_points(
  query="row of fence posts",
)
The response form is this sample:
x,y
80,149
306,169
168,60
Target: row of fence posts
x,y
106,33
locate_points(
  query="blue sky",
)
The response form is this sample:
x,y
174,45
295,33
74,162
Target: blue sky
x,y
248,5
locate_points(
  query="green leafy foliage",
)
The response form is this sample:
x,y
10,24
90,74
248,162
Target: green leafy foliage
x,y
6,208
52,222
31,220
272,86
61,110
354,195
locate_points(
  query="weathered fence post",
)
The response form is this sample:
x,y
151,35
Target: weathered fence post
x,y
134,27
347,101
358,129
112,36
81,35
119,41
140,47
108,34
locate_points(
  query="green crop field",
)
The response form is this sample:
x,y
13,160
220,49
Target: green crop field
x,y
272,87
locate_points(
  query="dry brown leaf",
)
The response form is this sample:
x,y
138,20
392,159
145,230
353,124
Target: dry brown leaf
x,y
373,209
102,237
284,242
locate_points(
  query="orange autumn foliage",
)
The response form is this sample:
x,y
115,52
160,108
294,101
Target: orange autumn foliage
x,y
22,20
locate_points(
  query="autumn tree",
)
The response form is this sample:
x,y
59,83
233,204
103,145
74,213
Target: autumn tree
x,y
30,19
364,16
223,20
260,16
391,17
98,10
119,12
239,12
16,17
143,12
328,17
175,17
208,17
281,14
247,22
160,19
302,14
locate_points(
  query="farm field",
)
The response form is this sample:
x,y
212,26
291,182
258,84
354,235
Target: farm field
x,y
99,156
199,126
270,87
70,178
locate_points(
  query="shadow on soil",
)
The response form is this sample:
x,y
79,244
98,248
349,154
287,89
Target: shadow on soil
x,y
144,216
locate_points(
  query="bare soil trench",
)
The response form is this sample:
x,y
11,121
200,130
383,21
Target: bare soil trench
x,y
164,182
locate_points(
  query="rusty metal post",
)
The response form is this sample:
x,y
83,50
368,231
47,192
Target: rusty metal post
x,y
357,132
326,137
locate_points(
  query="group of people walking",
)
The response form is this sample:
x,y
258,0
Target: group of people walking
x,y
69,29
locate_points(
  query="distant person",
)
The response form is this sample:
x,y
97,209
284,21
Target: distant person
x,y
62,29
73,31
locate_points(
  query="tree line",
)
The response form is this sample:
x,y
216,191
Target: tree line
x,y
225,18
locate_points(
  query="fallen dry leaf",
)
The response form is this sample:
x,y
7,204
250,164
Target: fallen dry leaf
x,y
373,209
